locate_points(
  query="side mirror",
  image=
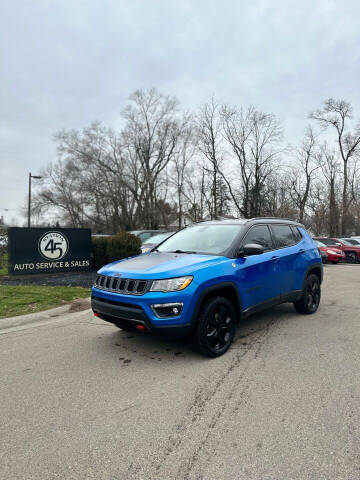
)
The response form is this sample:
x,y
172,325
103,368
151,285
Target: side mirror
x,y
251,249
338,244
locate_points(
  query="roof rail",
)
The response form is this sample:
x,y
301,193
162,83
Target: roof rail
x,y
274,218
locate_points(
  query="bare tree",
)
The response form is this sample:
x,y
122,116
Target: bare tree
x,y
330,168
183,162
150,137
254,139
303,172
210,137
337,113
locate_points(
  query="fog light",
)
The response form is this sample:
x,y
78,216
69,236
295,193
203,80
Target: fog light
x,y
163,310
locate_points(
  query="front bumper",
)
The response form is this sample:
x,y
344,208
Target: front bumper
x,y
336,257
131,311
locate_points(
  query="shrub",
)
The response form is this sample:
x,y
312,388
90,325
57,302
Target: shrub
x,y
99,251
3,250
123,245
116,247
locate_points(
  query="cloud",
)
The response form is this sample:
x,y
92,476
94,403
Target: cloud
x,y
65,64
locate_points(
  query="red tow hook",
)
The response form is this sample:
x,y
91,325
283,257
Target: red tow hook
x,y
140,327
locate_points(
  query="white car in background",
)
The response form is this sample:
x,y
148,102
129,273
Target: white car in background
x,y
154,241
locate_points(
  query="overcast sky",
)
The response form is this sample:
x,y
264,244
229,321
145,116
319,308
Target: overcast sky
x,y
65,63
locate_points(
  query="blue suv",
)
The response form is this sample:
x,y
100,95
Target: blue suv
x,y
205,278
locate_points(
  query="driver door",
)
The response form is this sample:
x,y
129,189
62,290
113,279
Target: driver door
x,y
258,275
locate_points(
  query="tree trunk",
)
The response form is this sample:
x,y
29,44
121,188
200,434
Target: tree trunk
x,y
344,200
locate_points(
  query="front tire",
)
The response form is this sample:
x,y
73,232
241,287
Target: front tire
x,y
351,257
310,299
216,327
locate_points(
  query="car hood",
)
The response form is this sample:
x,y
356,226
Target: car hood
x,y
160,264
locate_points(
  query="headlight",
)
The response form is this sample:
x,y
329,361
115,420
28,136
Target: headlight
x,y
332,252
171,284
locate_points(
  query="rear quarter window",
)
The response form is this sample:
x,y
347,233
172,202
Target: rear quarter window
x,y
297,234
283,236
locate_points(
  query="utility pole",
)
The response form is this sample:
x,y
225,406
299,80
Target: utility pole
x,y
29,199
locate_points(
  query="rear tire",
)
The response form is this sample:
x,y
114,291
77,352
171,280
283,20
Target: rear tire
x,y
310,299
216,327
335,263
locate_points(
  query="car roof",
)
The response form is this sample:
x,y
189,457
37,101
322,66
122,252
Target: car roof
x,y
246,221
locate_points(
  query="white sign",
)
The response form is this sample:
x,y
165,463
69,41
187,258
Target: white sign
x,y
53,245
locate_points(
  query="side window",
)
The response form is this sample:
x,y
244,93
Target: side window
x,y
283,236
297,234
259,234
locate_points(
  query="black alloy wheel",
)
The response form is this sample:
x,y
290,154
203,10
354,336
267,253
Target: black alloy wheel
x,y
216,327
310,300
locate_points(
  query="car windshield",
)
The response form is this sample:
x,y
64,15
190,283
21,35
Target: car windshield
x,y
346,242
320,244
207,239
328,241
158,238
351,241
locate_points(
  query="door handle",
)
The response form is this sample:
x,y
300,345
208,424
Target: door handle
x,y
275,258
302,250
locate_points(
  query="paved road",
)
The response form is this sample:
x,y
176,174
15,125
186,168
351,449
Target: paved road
x,y
80,399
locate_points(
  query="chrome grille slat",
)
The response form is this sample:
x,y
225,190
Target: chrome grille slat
x,y
128,286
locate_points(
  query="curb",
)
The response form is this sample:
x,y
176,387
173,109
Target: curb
x,y
56,312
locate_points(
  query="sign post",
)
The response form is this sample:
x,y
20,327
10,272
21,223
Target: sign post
x,y
46,250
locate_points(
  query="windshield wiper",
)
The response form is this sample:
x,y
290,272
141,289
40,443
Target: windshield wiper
x,y
183,251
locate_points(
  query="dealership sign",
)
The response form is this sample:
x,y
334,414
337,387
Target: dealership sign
x,y
45,250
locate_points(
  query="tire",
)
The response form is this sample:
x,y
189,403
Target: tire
x,y
351,257
335,263
216,327
310,299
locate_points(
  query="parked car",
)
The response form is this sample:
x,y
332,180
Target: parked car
x,y
356,238
352,252
352,241
154,241
333,254
146,234
205,278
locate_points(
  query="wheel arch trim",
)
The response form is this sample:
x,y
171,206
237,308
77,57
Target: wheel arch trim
x,y
212,290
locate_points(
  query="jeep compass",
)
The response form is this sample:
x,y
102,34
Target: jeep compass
x,y
206,278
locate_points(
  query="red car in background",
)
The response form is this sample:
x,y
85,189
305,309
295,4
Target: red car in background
x,y
352,252
334,254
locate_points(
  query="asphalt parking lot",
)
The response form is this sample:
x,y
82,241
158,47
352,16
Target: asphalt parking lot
x,y
80,399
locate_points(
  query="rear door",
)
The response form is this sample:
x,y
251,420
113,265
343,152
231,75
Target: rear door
x,y
288,251
259,277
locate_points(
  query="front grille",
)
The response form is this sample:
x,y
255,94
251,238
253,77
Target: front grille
x,y
128,286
